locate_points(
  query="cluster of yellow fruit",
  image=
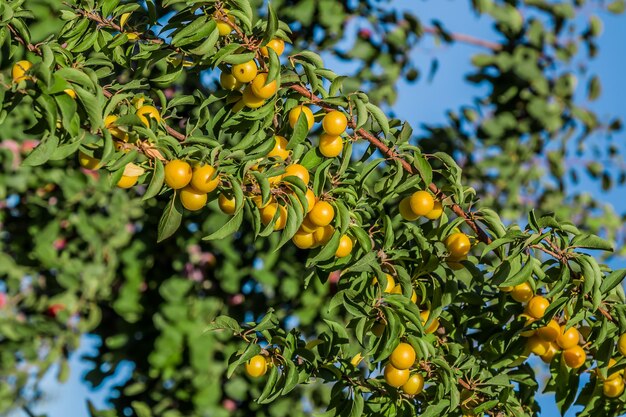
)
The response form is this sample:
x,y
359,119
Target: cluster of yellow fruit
x,y
397,372
613,384
194,184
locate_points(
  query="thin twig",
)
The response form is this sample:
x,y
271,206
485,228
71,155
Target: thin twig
x,y
463,38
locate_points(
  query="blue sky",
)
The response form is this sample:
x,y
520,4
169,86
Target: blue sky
x,y
418,103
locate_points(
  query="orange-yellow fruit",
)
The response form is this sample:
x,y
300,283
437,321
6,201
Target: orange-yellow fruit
x,y
227,205
335,123
224,28
405,210
553,349
87,161
323,234
278,45
322,214
256,366
568,338
192,199
229,82
414,297
529,321
345,247
294,114
403,356
303,240
19,70
261,89
550,331
422,203
70,93
574,357
537,306
177,174
244,73
204,179
127,181
116,132
297,170
611,374
458,244
396,377
310,200
432,328
436,212
613,388
268,213
621,344
148,112
258,201
330,146
391,283
308,226
250,100
522,292
280,148
537,346
414,385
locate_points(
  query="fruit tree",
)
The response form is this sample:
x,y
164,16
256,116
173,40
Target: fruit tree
x,y
191,182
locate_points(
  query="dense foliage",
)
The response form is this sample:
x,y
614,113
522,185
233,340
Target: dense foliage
x,y
285,246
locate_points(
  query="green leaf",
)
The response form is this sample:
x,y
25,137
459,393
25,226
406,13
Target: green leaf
x,y
171,218
590,241
380,117
156,183
42,152
272,25
230,227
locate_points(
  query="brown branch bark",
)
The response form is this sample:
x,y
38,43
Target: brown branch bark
x,y
467,39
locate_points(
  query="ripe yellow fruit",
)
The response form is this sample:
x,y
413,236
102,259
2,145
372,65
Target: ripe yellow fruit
x,y
87,161
250,100
330,146
303,240
297,170
529,321
70,93
268,212
127,181
414,297
403,356
229,82
391,284
574,356
432,328
414,385
322,214
192,199
258,201
278,45
116,132
458,245
177,174
422,203
308,226
294,114
436,212
553,349
256,366
537,306
310,200
224,28
280,148
537,346
345,247
621,344
335,123
323,234
613,388
568,338
356,359
611,374
244,73
227,205
148,112
405,210
204,179
396,377
19,70
522,292
550,331
261,88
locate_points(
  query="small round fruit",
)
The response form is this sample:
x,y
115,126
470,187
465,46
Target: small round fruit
x,y
227,205
414,385
568,338
323,234
528,322
322,214
280,148
19,70
88,162
307,226
424,315
330,146
391,283
613,388
396,377
397,289
310,200
70,93
278,45
436,212
537,306
250,100
621,344
294,114
335,123
177,174
224,28
574,357
258,201
297,170
244,73
537,346
611,374
522,292
403,356
127,181
345,247
116,132
229,82
192,199
553,349
261,88
422,203
458,244
303,240
268,213
204,179
550,331
148,112
405,210
256,366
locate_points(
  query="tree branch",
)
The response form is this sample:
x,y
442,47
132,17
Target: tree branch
x,y
463,38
